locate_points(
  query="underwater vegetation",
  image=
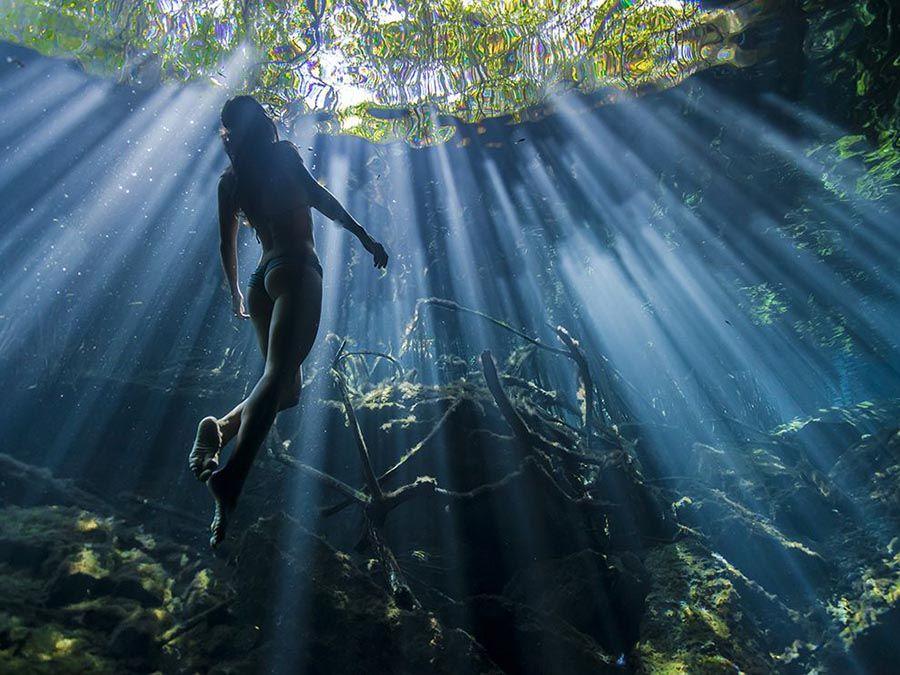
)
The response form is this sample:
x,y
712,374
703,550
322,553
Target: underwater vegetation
x,y
745,558
627,401
854,49
389,70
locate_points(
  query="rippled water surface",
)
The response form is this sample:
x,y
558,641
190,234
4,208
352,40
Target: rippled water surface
x,y
625,400
390,69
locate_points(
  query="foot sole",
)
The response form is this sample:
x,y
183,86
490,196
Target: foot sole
x,y
204,456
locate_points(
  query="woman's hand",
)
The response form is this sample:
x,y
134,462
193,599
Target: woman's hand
x,y
379,255
237,305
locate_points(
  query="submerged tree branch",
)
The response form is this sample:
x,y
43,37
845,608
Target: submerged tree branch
x,y
456,307
365,459
409,454
587,382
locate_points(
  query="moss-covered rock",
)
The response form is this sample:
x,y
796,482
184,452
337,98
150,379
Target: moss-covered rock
x,y
600,596
704,616
88,593
293,583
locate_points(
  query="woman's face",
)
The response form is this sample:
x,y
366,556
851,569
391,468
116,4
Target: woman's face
x,y
226,139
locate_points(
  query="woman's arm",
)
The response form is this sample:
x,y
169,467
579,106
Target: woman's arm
x,y
325,203
228,229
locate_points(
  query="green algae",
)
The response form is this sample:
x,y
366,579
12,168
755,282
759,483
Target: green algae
x,y
695,621
84,593
50,648
764,303
877,591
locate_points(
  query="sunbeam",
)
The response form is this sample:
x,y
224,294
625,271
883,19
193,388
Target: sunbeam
x,y
625,397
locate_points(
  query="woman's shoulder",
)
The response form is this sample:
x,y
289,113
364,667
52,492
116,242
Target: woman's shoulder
x,y
289,150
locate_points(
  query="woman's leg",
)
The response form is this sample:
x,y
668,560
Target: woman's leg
x,y
261,316
231,423
214,434
260,306
292,331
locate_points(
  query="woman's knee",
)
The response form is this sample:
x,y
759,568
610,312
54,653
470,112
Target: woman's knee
x,y
290,396
270,388
277,387
289,399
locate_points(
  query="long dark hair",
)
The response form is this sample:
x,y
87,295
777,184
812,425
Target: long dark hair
x,y
248,134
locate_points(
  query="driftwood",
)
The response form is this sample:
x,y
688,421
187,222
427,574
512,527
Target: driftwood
x,y
587,382
456,307
562,464
614,408
539,459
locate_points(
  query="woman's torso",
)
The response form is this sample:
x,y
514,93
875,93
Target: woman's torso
x,y
275,203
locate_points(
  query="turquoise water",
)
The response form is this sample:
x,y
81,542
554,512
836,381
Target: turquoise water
x,y
696,474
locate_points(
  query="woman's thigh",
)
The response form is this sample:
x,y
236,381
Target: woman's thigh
x,y
259,306
296,310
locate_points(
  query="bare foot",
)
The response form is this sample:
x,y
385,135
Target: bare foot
x,y
204,457
226,500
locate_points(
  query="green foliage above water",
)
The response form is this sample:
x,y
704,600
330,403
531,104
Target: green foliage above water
x,y
854,45
383,70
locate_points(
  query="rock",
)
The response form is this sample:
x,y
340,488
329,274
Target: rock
x,y
26,555
69,588
98,614
598,595
81,599
294,585
704,616
134,638
525,641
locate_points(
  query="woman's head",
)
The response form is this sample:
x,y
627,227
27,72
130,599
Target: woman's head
x,y
245,126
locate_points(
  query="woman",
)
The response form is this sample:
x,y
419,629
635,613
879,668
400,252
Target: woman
x,y
268,182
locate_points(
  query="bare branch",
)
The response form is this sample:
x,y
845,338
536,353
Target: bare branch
x,y
368,472
587,382
456,307
180,629
409,454
510,414
352,494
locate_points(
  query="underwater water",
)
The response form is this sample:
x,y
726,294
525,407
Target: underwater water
x,y
629,387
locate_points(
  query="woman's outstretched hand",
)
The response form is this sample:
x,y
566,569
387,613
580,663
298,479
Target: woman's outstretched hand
x,y
379,255
237,306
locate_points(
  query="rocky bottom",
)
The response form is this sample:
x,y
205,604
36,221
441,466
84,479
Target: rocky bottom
x,y
774,568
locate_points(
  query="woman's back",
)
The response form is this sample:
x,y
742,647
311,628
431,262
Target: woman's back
x,y
270,190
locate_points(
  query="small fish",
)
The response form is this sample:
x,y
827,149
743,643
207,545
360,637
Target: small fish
x,y
15,61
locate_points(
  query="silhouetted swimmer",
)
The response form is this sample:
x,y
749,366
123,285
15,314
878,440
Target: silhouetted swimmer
x,y
268,182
